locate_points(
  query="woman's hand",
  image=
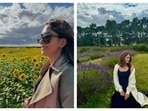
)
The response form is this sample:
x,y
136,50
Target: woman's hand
x,y
122,93
126,96
26,102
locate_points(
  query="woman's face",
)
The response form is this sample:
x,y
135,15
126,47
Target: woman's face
x,y
127,59
54,47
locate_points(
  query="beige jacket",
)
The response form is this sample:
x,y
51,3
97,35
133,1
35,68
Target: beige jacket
x,y
58,91
139,97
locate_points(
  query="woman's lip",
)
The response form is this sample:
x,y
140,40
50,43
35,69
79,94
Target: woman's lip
x,y
43,47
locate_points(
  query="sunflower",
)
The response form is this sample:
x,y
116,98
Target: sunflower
x,y
35,77
15,72
22,77
34,60
3,54
37,65
42,58
13,59
22,59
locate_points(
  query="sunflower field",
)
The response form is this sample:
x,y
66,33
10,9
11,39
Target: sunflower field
x,y
19,69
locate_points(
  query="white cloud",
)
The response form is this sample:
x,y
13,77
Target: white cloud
x,y
20,24
99,12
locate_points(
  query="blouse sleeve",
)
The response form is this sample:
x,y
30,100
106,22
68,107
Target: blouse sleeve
x,y
118,87
131,82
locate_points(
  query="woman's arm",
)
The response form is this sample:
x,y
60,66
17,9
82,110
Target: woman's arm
x,y
118,87
132,81
66,89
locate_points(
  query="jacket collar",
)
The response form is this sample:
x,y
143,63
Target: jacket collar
x,y
45,87
59,63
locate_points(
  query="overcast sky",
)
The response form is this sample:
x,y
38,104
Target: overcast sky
x,y
21,23
98,13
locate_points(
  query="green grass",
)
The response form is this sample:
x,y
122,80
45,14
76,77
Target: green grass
x,y
140,62
101,100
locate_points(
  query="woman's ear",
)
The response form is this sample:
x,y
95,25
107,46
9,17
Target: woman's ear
x,y
63,42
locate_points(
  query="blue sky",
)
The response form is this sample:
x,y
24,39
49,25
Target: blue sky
x,y
98,13
21,22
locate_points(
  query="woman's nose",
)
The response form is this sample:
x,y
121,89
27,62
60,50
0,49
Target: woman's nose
x,y
41,41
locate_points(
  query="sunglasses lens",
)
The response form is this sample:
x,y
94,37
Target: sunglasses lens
x,y
45,37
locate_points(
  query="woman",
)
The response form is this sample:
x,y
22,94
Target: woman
x,y
55,86
126,94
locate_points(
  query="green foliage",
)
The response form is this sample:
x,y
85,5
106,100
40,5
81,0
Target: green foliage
x,y
110,62
95,56
100,99
84,59
87,81
141,47
83,49
91,57
90,81
111,49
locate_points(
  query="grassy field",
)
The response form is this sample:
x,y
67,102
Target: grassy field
x,y
140,62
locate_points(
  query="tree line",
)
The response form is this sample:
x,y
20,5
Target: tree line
x,y
114,34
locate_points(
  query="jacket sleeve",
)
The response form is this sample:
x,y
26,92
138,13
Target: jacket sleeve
x,y
118,87
131,82
66,90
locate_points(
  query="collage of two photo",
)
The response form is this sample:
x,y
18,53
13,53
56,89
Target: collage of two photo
x,y
49,59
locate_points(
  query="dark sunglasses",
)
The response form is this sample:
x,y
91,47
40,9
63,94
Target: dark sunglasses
x,y
45,37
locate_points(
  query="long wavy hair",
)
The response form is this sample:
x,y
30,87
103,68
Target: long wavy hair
x,y
122,59
64,30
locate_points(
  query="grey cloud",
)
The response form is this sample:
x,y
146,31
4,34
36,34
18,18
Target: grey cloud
x,y
118,16
83,20
3,17
22,35
98,19
18,41
143,13
28,15
102,10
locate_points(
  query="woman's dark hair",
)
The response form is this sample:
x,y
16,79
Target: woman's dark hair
x,y
64,30
122,59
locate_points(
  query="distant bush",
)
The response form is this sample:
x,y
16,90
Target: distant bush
x,y
82,59
98,48
96,56
83,49
110,62
140,47
111,49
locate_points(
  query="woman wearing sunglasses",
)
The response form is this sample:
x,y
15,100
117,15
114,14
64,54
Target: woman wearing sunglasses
x,y
55,86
